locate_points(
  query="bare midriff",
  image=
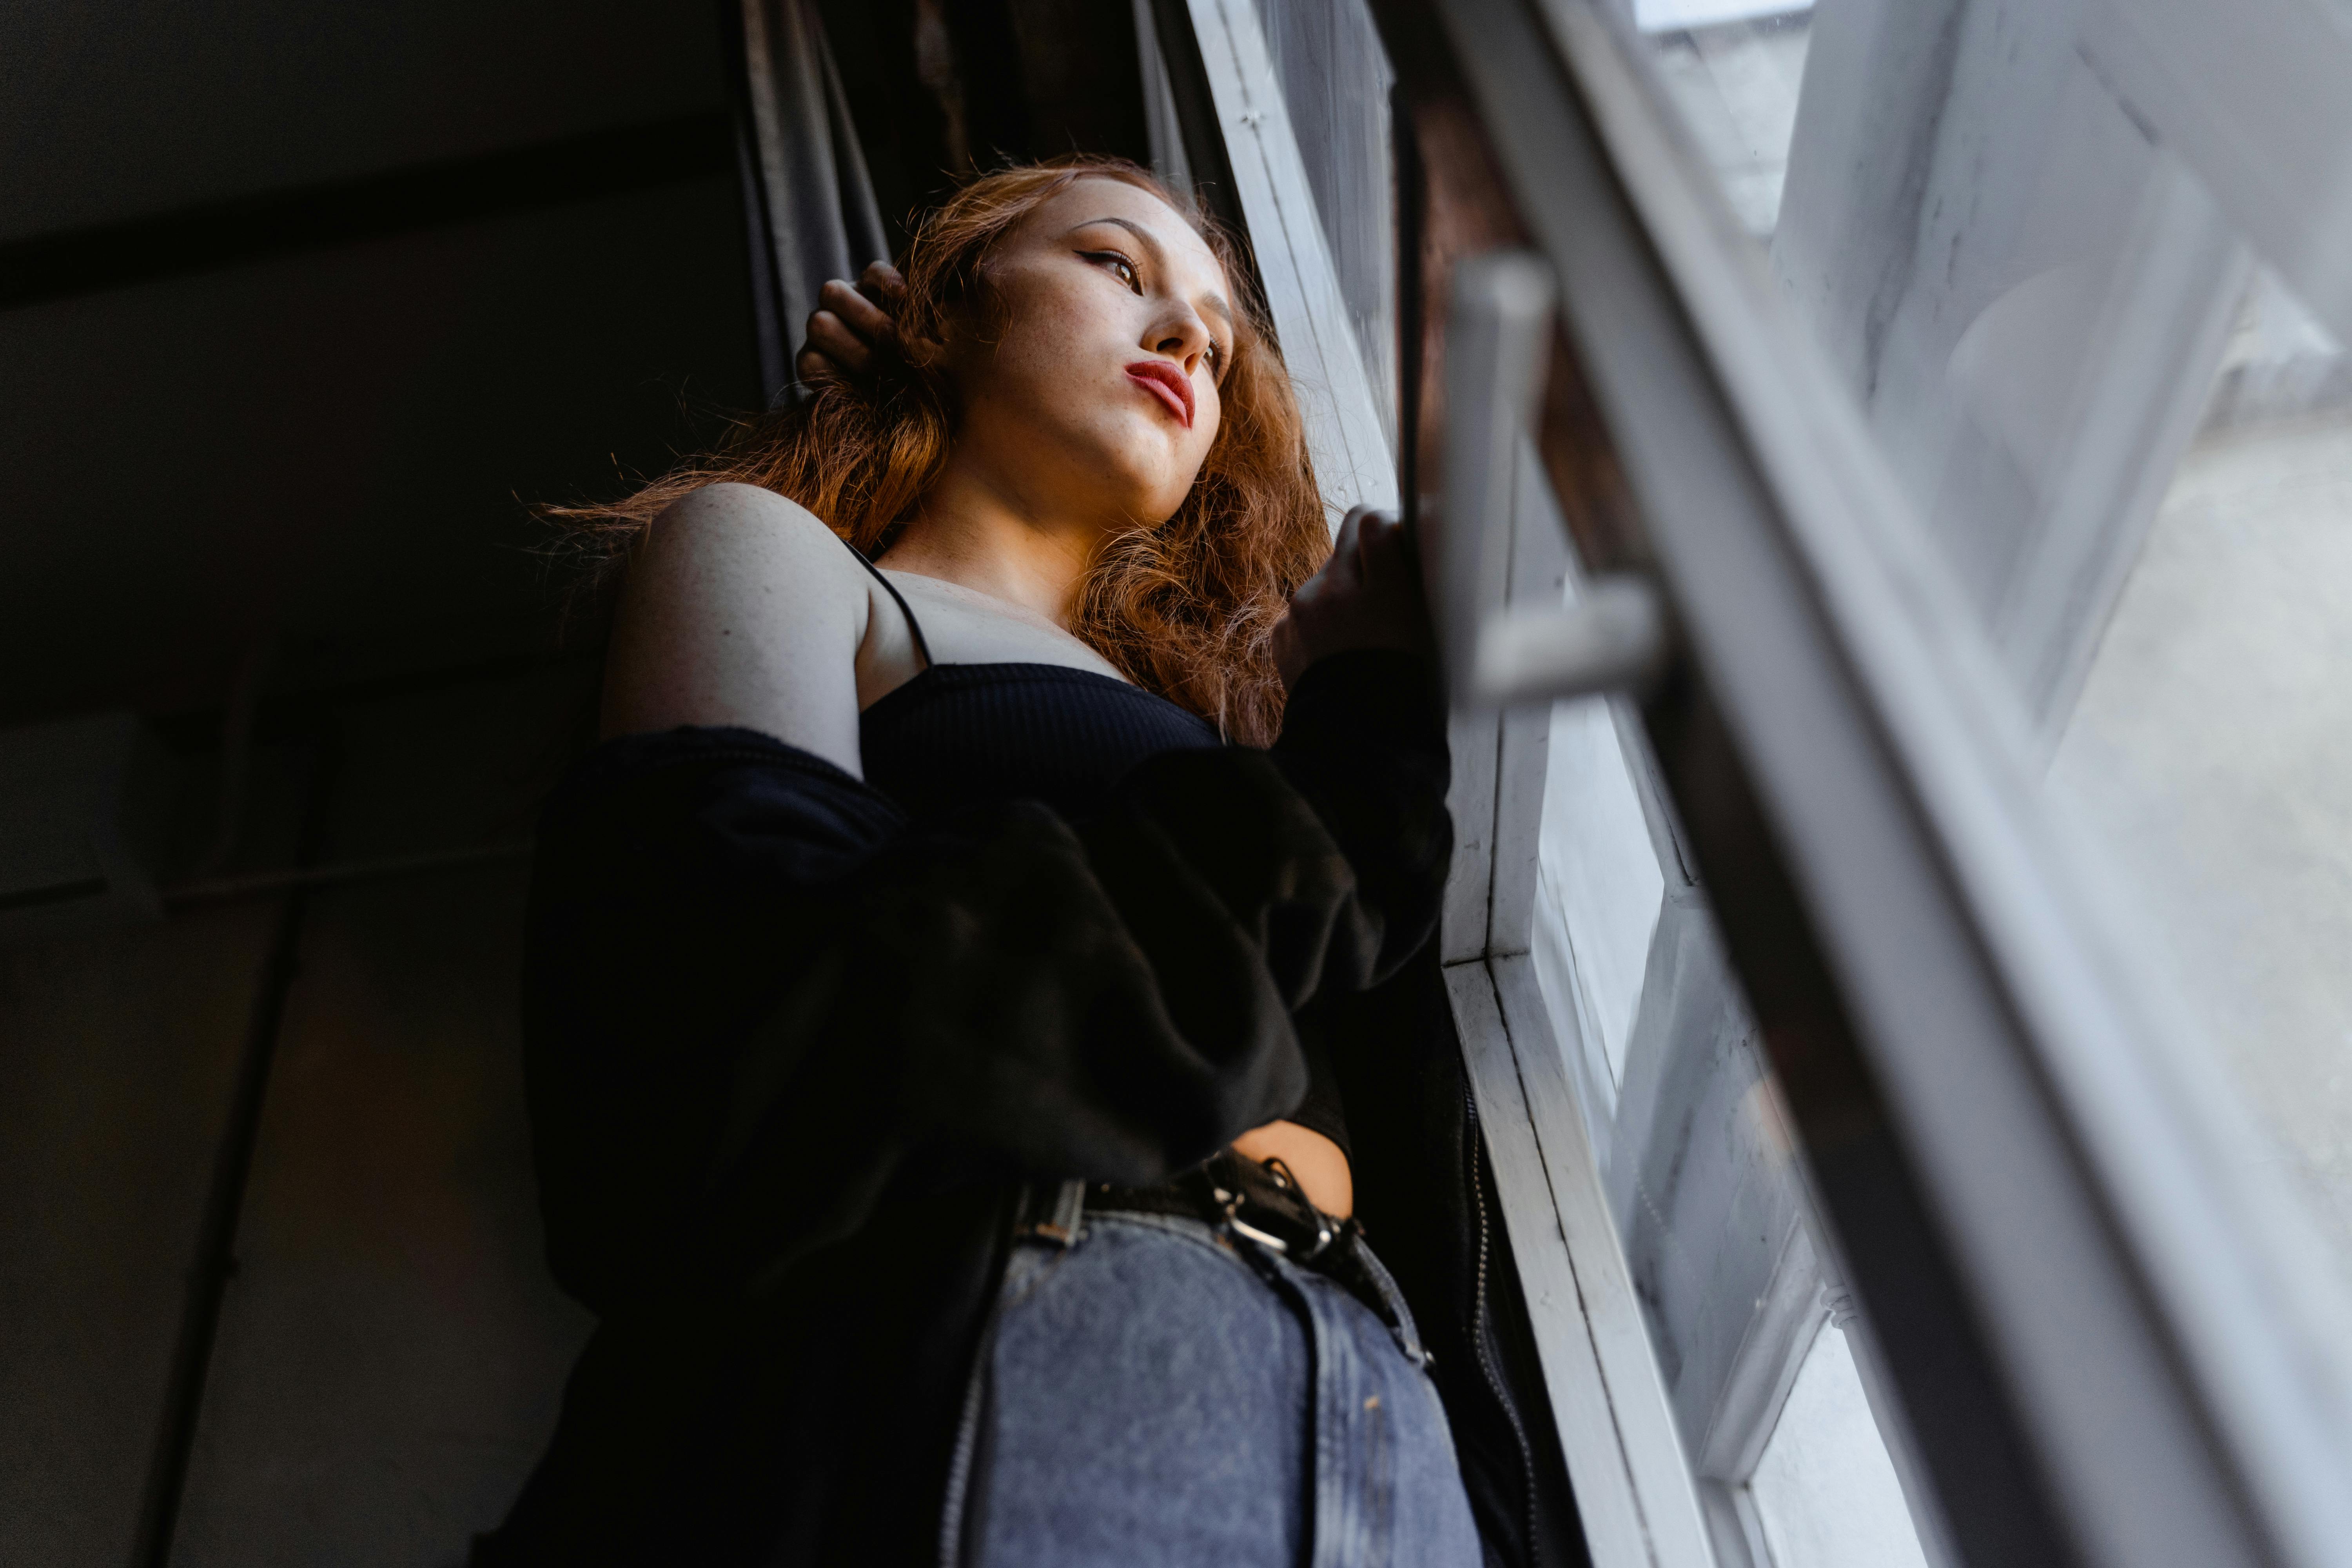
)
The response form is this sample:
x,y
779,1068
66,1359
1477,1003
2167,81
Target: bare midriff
x,y
1315,1159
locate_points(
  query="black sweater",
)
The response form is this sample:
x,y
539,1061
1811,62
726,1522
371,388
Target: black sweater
x,y
790,1054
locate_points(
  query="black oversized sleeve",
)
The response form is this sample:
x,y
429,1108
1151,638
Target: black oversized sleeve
x,y
755,993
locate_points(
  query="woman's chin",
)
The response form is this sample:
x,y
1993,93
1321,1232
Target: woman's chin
x,y
1144,485
1152,505
1135,514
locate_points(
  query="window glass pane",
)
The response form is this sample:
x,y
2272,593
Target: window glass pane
x,y
1825,1492
1598,886
2099,345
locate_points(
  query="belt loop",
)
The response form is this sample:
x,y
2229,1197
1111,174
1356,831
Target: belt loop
x,y
1061,1226
1069,1208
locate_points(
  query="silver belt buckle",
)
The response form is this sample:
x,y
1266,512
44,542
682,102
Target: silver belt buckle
x,y
1230,1204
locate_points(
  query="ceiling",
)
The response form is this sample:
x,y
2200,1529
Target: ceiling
x,y
329,447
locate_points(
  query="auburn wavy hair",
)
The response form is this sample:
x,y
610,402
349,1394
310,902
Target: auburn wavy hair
x,y
1184,608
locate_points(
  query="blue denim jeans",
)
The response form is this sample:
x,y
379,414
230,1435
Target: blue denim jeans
x,y
1157,1395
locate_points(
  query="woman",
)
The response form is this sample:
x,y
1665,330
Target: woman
x,y
913,966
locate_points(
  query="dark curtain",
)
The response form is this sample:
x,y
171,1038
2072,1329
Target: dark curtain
x,y
808,202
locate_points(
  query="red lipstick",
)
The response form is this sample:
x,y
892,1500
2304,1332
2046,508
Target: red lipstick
x,y
1168,383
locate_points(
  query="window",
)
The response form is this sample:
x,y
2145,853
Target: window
x,y
1952,1093
2129,438
1696,1157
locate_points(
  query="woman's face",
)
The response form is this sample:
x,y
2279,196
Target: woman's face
x,y
1098,394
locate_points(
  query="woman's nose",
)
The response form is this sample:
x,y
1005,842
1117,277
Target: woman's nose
x,y
1182,337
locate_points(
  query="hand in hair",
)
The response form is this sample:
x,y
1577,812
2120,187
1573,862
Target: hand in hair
x,y
852,324
1367,596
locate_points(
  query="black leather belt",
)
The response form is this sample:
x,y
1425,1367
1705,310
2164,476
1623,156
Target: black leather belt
x,y
1242,1199
1260,1201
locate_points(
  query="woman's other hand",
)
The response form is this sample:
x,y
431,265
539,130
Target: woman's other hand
x,y
1367,596
851,324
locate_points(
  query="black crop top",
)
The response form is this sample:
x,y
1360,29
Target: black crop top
x,y
962,734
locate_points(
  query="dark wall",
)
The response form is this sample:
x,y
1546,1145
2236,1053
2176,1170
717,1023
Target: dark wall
x,y
252,453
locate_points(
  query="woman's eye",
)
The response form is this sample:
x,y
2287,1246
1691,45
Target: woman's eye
x,y
1120,266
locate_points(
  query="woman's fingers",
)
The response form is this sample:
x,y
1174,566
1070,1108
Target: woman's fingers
x,y
1289,649
881,284
1376,540
1387,550
856,311
1345,565
850,322
1352,528
833,341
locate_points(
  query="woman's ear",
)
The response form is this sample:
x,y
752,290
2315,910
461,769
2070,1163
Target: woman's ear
x,y
936,337
959,332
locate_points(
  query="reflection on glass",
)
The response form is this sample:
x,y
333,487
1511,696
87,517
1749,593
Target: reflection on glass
x,y
1598,884
2131,442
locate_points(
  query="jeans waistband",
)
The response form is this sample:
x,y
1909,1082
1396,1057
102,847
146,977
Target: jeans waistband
x,y
1258,1209
1257,1199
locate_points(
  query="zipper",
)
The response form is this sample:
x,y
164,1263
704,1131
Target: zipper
x,y
1479,1338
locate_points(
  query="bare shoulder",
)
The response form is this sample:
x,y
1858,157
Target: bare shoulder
x,y
738,526
740,608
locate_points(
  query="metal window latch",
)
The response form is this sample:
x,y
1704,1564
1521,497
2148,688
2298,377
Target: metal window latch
x,y
1612,635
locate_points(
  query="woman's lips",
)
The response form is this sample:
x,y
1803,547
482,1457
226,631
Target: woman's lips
x,y
1168,383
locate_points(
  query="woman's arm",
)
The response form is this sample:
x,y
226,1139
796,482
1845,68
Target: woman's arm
x,y
740,608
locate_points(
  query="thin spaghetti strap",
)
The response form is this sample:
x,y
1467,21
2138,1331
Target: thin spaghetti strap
x,y
913,625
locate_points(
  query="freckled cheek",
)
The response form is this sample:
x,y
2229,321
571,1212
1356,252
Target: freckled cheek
x,y
1071,359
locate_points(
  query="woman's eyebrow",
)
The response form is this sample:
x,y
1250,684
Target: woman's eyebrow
x,y
1212,300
